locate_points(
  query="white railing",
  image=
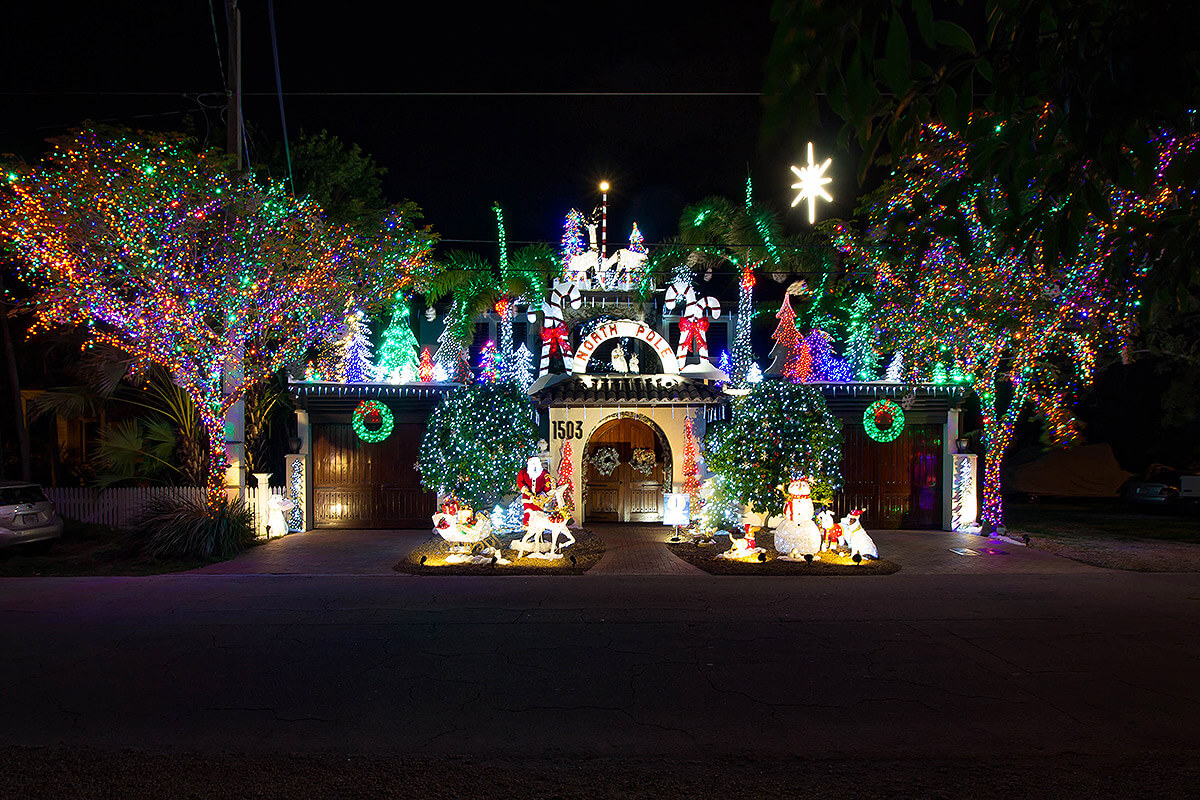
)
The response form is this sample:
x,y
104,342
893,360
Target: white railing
x,y
118,508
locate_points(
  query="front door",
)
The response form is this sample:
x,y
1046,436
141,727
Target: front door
x,y
632,489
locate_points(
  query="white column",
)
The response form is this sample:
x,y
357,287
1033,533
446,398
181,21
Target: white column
x,y
950,432
262,511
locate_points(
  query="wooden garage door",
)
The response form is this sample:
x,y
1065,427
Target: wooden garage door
x,y
357,484
897,482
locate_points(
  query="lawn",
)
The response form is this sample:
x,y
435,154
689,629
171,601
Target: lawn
x,y
85,550
1111,533
705,557
577,559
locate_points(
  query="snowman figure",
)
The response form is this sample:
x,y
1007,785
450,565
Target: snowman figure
x,y
798,536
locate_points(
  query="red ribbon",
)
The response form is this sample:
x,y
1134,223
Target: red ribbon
x,y
693,331
557,338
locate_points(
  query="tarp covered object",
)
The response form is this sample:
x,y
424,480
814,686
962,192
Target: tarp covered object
x,y
1090,470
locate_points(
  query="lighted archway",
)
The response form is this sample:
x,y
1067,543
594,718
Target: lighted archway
x,y
606,423
625,329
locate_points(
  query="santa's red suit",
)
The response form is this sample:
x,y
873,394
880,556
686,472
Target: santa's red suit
x,y
531,487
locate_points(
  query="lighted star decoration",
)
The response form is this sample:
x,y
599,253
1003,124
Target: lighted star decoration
x,y
811,184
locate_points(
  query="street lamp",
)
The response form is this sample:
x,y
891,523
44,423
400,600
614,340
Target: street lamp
x,y
603,219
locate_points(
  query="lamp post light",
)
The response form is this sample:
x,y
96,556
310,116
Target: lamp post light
x,y
603,219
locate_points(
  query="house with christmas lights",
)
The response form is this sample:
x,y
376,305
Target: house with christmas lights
x,y
626,364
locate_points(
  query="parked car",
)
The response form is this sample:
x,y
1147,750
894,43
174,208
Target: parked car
x,y
1158,485
26,516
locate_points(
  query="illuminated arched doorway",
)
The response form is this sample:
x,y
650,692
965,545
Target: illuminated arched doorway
x,y
633,490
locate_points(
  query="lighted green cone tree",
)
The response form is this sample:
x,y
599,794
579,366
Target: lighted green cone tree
x,y
398,355
478,439
778,432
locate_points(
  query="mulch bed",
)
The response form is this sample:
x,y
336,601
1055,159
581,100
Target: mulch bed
x,y
830,563
587,551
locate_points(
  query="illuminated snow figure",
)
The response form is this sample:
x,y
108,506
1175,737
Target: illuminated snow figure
x,y
550,517
798,536
858,542
464,529
279,505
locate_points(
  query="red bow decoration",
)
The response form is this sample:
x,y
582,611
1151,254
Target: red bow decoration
x,y
443,523
693,331
557,338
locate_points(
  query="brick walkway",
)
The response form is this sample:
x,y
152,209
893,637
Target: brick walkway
x,y
632,549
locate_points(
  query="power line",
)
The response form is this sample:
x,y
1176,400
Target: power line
x,y
157,93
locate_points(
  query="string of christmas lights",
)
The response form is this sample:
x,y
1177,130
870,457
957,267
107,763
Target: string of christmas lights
x,y
174,258
954,288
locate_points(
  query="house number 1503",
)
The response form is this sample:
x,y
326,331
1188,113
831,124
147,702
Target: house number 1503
x,y
568,429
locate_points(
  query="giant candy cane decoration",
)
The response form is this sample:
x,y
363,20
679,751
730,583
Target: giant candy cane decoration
x,y
555,337
693,322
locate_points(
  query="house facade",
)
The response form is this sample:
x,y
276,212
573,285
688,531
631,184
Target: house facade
x,y
616,383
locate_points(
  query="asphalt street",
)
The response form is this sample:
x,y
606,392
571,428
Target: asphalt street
x,y
1100,666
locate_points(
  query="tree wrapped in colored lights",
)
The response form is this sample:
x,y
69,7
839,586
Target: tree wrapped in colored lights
x,y
172,257
691,469
566,475
787,338
398,359
477,440
778,432
956,286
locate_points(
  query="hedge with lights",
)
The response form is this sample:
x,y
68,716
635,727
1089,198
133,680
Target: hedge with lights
x,y
477,440
778,432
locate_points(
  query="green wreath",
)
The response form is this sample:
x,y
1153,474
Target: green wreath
x,y
884,420
372,409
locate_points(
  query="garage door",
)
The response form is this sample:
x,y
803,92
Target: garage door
x,y
897,482
358,484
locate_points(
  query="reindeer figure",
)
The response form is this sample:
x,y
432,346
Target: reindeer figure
x,y
549,520
555,336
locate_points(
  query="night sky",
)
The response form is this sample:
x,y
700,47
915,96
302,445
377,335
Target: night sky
x,y
453,155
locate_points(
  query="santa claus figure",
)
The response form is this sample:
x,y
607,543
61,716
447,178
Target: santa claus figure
x,y
532,481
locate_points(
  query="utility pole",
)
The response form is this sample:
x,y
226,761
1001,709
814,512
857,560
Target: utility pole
x,y
235,417
233,114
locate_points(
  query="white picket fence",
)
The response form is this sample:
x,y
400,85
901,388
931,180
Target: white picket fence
x,y
118,508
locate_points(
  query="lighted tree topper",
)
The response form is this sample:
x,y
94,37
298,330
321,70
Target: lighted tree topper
x,y
374,413
179,261
811,182
883,420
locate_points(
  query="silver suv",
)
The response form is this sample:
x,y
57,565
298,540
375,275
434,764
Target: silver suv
x,y
26,515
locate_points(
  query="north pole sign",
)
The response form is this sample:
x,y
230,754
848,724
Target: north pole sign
x,y
626,329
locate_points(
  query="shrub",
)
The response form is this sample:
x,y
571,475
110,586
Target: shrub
x,y
180,526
